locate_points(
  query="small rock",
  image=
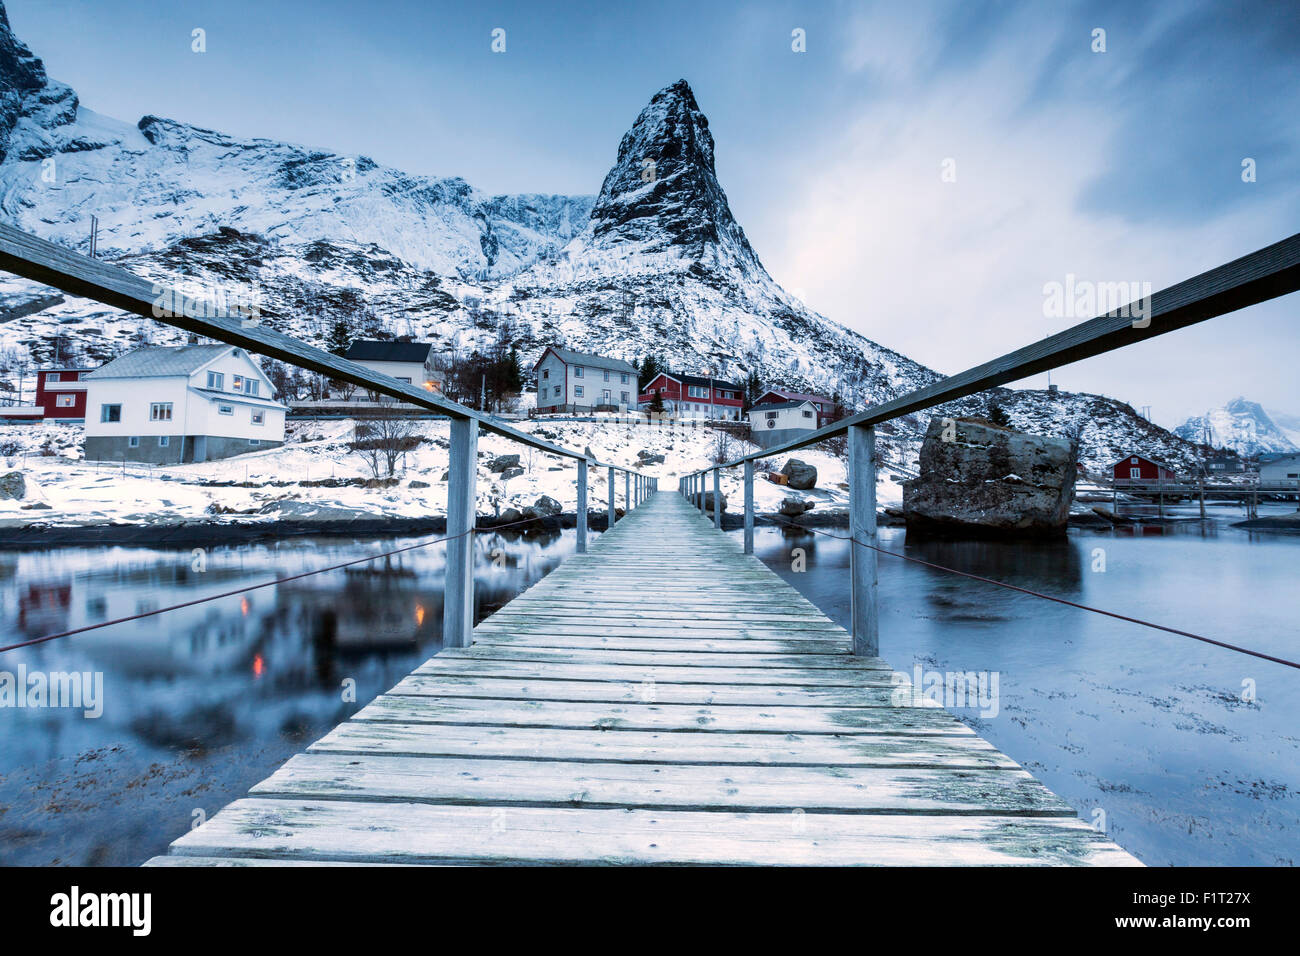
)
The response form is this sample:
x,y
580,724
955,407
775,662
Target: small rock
x,y
35,506
793,507
503,462
13,486
416,483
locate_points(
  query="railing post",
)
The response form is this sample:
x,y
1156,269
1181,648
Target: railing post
x,y
749,506
717,498
458,591
582,506
627,492
862,531
610,525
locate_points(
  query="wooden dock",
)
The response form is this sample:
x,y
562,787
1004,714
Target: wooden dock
x,y
662,699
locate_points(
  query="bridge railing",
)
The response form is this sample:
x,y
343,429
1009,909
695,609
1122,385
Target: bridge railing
x,y
53,265
1262,275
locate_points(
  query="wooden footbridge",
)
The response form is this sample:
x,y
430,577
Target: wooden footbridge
x,y
664,698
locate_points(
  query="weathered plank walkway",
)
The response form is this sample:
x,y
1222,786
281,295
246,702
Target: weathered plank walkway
x,y
661,699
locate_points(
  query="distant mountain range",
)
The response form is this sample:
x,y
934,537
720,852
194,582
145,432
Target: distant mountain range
x,y
1245,427
656,262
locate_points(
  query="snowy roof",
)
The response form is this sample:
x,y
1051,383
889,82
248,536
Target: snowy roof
x,y
777,406
366,350
1137,454
159,361
801,396
587,358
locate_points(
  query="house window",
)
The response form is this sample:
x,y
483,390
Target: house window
x,y
557,390
251,385
66,401
133,441
807,413
257,417
160,412
237,382
51,376
216,380
577,371
110,413
546,373
225,409
577,390
771,416
607,375
164,441
624,394
1133,461
1135,472
622,379
255,441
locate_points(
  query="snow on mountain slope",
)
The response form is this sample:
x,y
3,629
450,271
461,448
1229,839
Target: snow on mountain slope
x,y
1241,425
656,263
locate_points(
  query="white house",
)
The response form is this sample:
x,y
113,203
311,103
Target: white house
x,y
1281,472
169,405
579,381
777,422
408,362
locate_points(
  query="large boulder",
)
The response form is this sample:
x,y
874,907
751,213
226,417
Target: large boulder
x,y
543,507
645,457
799,475
502,462
980,479
511,473
13,486
793,507
708,501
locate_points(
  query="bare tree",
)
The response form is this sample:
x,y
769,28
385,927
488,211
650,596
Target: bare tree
x,y
382,440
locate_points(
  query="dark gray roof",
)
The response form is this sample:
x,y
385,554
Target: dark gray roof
x,y
776,406
159,361
569,357
366,350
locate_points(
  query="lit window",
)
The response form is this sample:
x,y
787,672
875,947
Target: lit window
x,y
237,383
110,413
160,412
66,401
257,417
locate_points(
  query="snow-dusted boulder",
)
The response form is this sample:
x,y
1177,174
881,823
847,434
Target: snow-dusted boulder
x,y
13,486
800,475
980,479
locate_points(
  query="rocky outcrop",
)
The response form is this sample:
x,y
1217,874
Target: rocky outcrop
x,y
983,480
13,486
503,462
799,475
645,457
543,507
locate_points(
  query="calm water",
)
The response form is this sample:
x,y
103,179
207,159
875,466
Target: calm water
x,y
1149,732
1152,734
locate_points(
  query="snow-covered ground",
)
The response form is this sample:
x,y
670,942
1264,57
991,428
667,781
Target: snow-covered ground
x,y
79,492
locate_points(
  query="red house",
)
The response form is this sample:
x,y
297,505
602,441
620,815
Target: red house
x,y
61,394
826,407
1141,468
690,396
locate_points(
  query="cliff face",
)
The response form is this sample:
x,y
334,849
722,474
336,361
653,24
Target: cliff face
x,y
979,479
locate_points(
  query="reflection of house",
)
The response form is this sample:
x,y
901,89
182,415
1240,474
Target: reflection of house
x,y
579,381
1141,468
781,422
1280,472
690,396
182,404
409,362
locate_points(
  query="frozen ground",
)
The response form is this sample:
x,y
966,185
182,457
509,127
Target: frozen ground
x,y
78,492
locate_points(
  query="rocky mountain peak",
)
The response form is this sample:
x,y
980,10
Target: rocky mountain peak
x,y
663,191
31,105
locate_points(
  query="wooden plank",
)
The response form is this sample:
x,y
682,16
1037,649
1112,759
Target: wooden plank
x,y
634,746
793,676
678,717
726,645
426,834
466,780
560,655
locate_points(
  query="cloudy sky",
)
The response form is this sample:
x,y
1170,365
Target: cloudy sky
x,y
1122,165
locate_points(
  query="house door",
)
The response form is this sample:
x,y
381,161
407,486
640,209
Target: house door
x,y
607,398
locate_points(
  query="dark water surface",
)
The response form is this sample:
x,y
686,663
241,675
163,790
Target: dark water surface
x,y
1156,736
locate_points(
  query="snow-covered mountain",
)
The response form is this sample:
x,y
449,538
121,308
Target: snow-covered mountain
x,y
1240,425
656,263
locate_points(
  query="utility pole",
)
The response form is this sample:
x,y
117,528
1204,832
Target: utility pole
x,y
94,235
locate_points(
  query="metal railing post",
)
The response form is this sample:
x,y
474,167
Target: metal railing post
x,y
458,591
749,506
717,498
612,493
862,531
582,506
